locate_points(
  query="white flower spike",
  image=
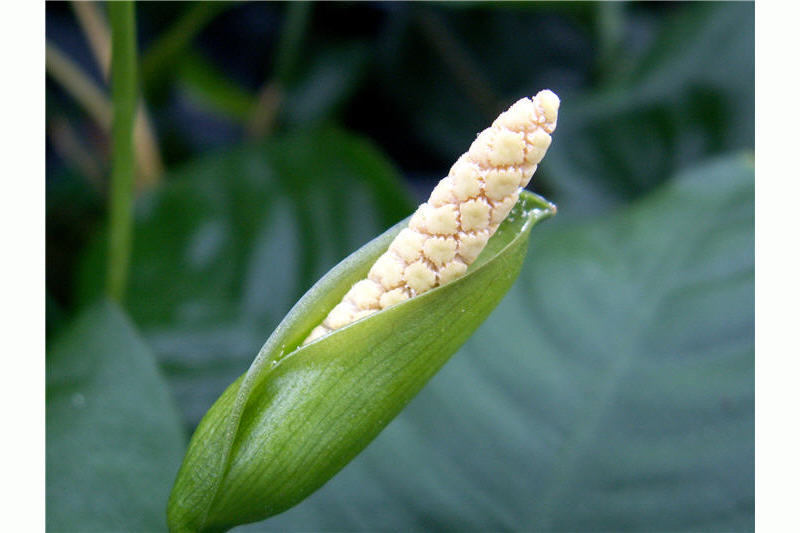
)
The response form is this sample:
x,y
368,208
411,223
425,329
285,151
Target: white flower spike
x,y
449,231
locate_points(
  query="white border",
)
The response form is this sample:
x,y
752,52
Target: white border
x,y
777,265
22,227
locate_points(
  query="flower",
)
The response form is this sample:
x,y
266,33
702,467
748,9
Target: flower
x,y
448,232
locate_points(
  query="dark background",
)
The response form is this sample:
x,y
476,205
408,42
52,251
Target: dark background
x,y
287,136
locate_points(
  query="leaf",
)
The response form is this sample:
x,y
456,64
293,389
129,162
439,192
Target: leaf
x,y
203,81
690,96
170,45
687,95
294,420
611,390
229,243
332,76
114,437
447,72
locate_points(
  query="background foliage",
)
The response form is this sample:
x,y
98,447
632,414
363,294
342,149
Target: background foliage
x,y
612,389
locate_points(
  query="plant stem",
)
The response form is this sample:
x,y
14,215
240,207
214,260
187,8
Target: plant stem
x,y
294,30
70,147
148,157
458,60
610,27
96,31
78,85
271,93
165,51
94,101
124,98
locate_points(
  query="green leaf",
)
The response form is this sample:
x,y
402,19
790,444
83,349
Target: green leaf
x,y
611,390
691,95
687,95
332,76
114,437
172,44
231,241
206,84
295,419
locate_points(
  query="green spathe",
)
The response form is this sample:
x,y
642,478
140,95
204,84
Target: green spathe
x,y
299,415
611,389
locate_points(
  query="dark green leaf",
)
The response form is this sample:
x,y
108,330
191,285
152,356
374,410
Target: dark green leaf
x,y
690,96
114,437
231,241
612,390
172,44
206,84
300,414
685,91
333,76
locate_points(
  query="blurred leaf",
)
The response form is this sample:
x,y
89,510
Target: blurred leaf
x,y
73,211
611,390
295,419
166,51
331,78
448,72
114,437
206,84
231,241
54,315
690,96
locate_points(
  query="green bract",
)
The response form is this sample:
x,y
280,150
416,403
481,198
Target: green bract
x,y
299,415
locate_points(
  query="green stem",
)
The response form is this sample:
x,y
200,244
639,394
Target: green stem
x,y
163,54
95,29
294,29
270,96
78,85
124,98
457,58
610,22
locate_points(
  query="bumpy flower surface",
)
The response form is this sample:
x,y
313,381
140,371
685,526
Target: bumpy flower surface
x,y
448,232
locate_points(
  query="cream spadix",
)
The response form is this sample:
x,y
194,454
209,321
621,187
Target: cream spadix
x,y
448,232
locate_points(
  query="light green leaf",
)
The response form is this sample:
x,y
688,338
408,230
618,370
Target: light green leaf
x,y
299,415
114,437
611,390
